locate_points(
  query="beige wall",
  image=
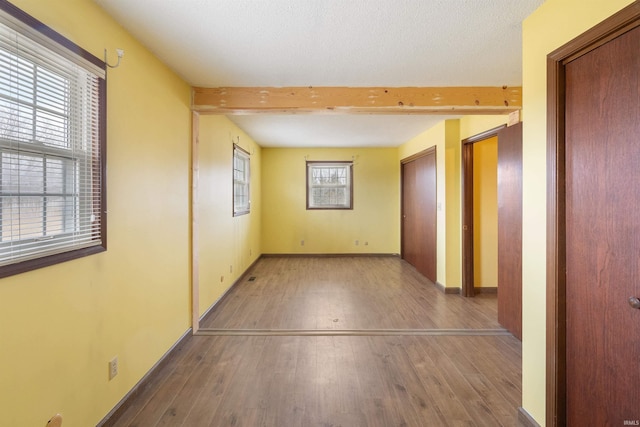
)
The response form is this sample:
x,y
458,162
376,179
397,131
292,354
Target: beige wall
x,y
555,23
228,245
374,221
60,325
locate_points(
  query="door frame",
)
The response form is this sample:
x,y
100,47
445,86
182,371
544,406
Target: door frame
x,y
468,283
403,162
619,23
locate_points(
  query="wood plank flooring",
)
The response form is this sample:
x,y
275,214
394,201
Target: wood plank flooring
x,y
359,380
346,293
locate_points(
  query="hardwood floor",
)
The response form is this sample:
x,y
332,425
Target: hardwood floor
x,y
346,293
362,379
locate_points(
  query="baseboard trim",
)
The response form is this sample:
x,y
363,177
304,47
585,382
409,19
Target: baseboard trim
x,y
525,419
112,417
140,386
242,277
349,332
486,290
336,255
446,290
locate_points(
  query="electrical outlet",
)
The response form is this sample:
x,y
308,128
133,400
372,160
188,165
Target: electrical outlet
x,y
366,243
221,279
357,242
113,367
301,242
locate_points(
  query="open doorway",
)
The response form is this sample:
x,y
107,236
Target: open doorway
x,y
468,202
485,215
509,222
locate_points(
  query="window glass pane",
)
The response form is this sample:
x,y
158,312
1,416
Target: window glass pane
x,y
241,202
329,196
16,77
29,211
16,121
55,176
52,129
60,216
53,91
22,173
10,224
329,185
51,182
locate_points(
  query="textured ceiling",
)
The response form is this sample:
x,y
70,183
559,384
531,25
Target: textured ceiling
x,y
334,130
214,43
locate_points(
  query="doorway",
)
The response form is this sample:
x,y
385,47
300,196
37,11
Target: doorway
x,y
509,222
592,232
468,211
485,215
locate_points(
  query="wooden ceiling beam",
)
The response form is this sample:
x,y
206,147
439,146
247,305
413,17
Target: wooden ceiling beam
x,y
357,100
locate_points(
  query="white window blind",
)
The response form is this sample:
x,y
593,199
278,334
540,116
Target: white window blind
x,y
241,179
329,185
51,179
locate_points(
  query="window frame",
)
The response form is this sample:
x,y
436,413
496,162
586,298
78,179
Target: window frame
x,y
347,165
240,154
52,41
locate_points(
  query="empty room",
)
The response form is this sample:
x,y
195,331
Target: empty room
x,y
319,213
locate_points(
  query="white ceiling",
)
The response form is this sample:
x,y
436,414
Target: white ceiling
x,y
334,130
216,43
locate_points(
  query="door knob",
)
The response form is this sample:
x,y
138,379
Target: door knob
x,y
634,302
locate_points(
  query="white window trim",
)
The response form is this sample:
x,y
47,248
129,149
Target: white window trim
x,y
347,186
241,181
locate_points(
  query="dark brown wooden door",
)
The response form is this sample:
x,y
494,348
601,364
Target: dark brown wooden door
x,y
510,229
603,234
419,213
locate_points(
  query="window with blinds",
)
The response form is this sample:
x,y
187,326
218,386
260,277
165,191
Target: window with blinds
x,y
329,185
52,189
241,177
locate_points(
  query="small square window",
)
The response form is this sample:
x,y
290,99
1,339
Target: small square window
x,y
329,185
241,179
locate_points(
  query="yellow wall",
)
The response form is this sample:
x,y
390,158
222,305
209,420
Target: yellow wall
x,y
228,245
374,221
453,202
445,136
485,212
474,125
60,325
555,23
